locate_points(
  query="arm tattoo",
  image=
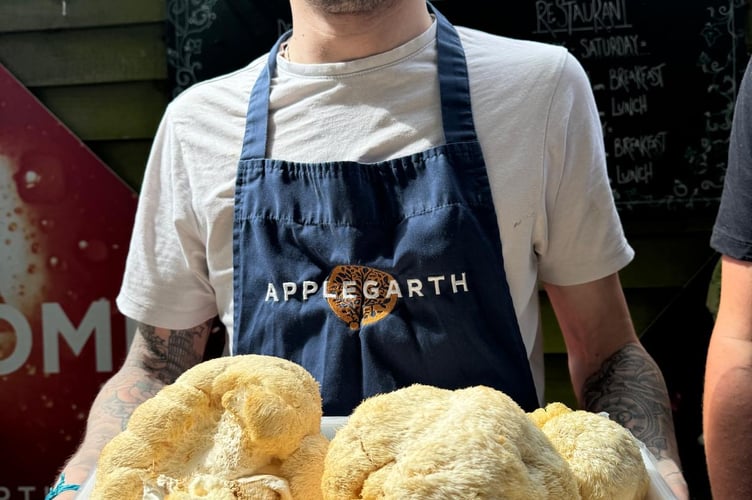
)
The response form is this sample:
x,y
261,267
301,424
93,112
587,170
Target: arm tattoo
x,y
124,400
630,388
170,357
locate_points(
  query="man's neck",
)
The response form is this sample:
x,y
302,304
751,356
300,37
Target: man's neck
x,y
325,38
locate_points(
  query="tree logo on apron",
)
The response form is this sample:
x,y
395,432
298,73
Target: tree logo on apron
x,y
360,295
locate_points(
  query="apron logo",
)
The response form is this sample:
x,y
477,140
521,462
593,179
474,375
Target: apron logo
x,y
361,295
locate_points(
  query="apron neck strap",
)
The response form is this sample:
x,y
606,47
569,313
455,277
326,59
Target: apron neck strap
x,y
257,117
454,87
456,112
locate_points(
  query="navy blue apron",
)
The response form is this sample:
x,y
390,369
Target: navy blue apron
x,y
376,276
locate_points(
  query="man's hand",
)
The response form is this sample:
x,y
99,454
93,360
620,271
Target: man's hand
x,y
674,478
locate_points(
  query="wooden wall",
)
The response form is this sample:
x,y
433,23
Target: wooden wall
x,y
99,65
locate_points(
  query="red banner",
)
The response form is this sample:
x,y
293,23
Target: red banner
x,y
65,222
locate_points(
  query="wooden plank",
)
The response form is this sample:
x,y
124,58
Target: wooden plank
x,y
107,112
37,15
84,56
127,158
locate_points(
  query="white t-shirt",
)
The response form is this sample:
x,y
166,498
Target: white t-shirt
x,y
535,117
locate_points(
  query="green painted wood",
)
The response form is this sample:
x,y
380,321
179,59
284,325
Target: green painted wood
x,y
126,158
107,112
37,15
85,56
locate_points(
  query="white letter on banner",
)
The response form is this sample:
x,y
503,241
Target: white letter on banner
x,y
55,321
22,329
26,490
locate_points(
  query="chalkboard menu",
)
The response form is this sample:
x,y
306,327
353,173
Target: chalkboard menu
x,y
664,74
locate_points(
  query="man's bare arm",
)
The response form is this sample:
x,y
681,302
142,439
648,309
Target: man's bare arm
x,y
156,357
611,371
630,387
727,394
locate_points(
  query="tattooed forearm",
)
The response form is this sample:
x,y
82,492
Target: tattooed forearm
x,y
121,402
169,356
630,388
156,357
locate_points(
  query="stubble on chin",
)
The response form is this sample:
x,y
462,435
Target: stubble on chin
x,y
351,7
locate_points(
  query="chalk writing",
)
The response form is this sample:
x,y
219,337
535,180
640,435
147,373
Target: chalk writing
x,y
637,77
283,25
568,16
629,106
611,46
184,54
664,85
645,146
641,173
